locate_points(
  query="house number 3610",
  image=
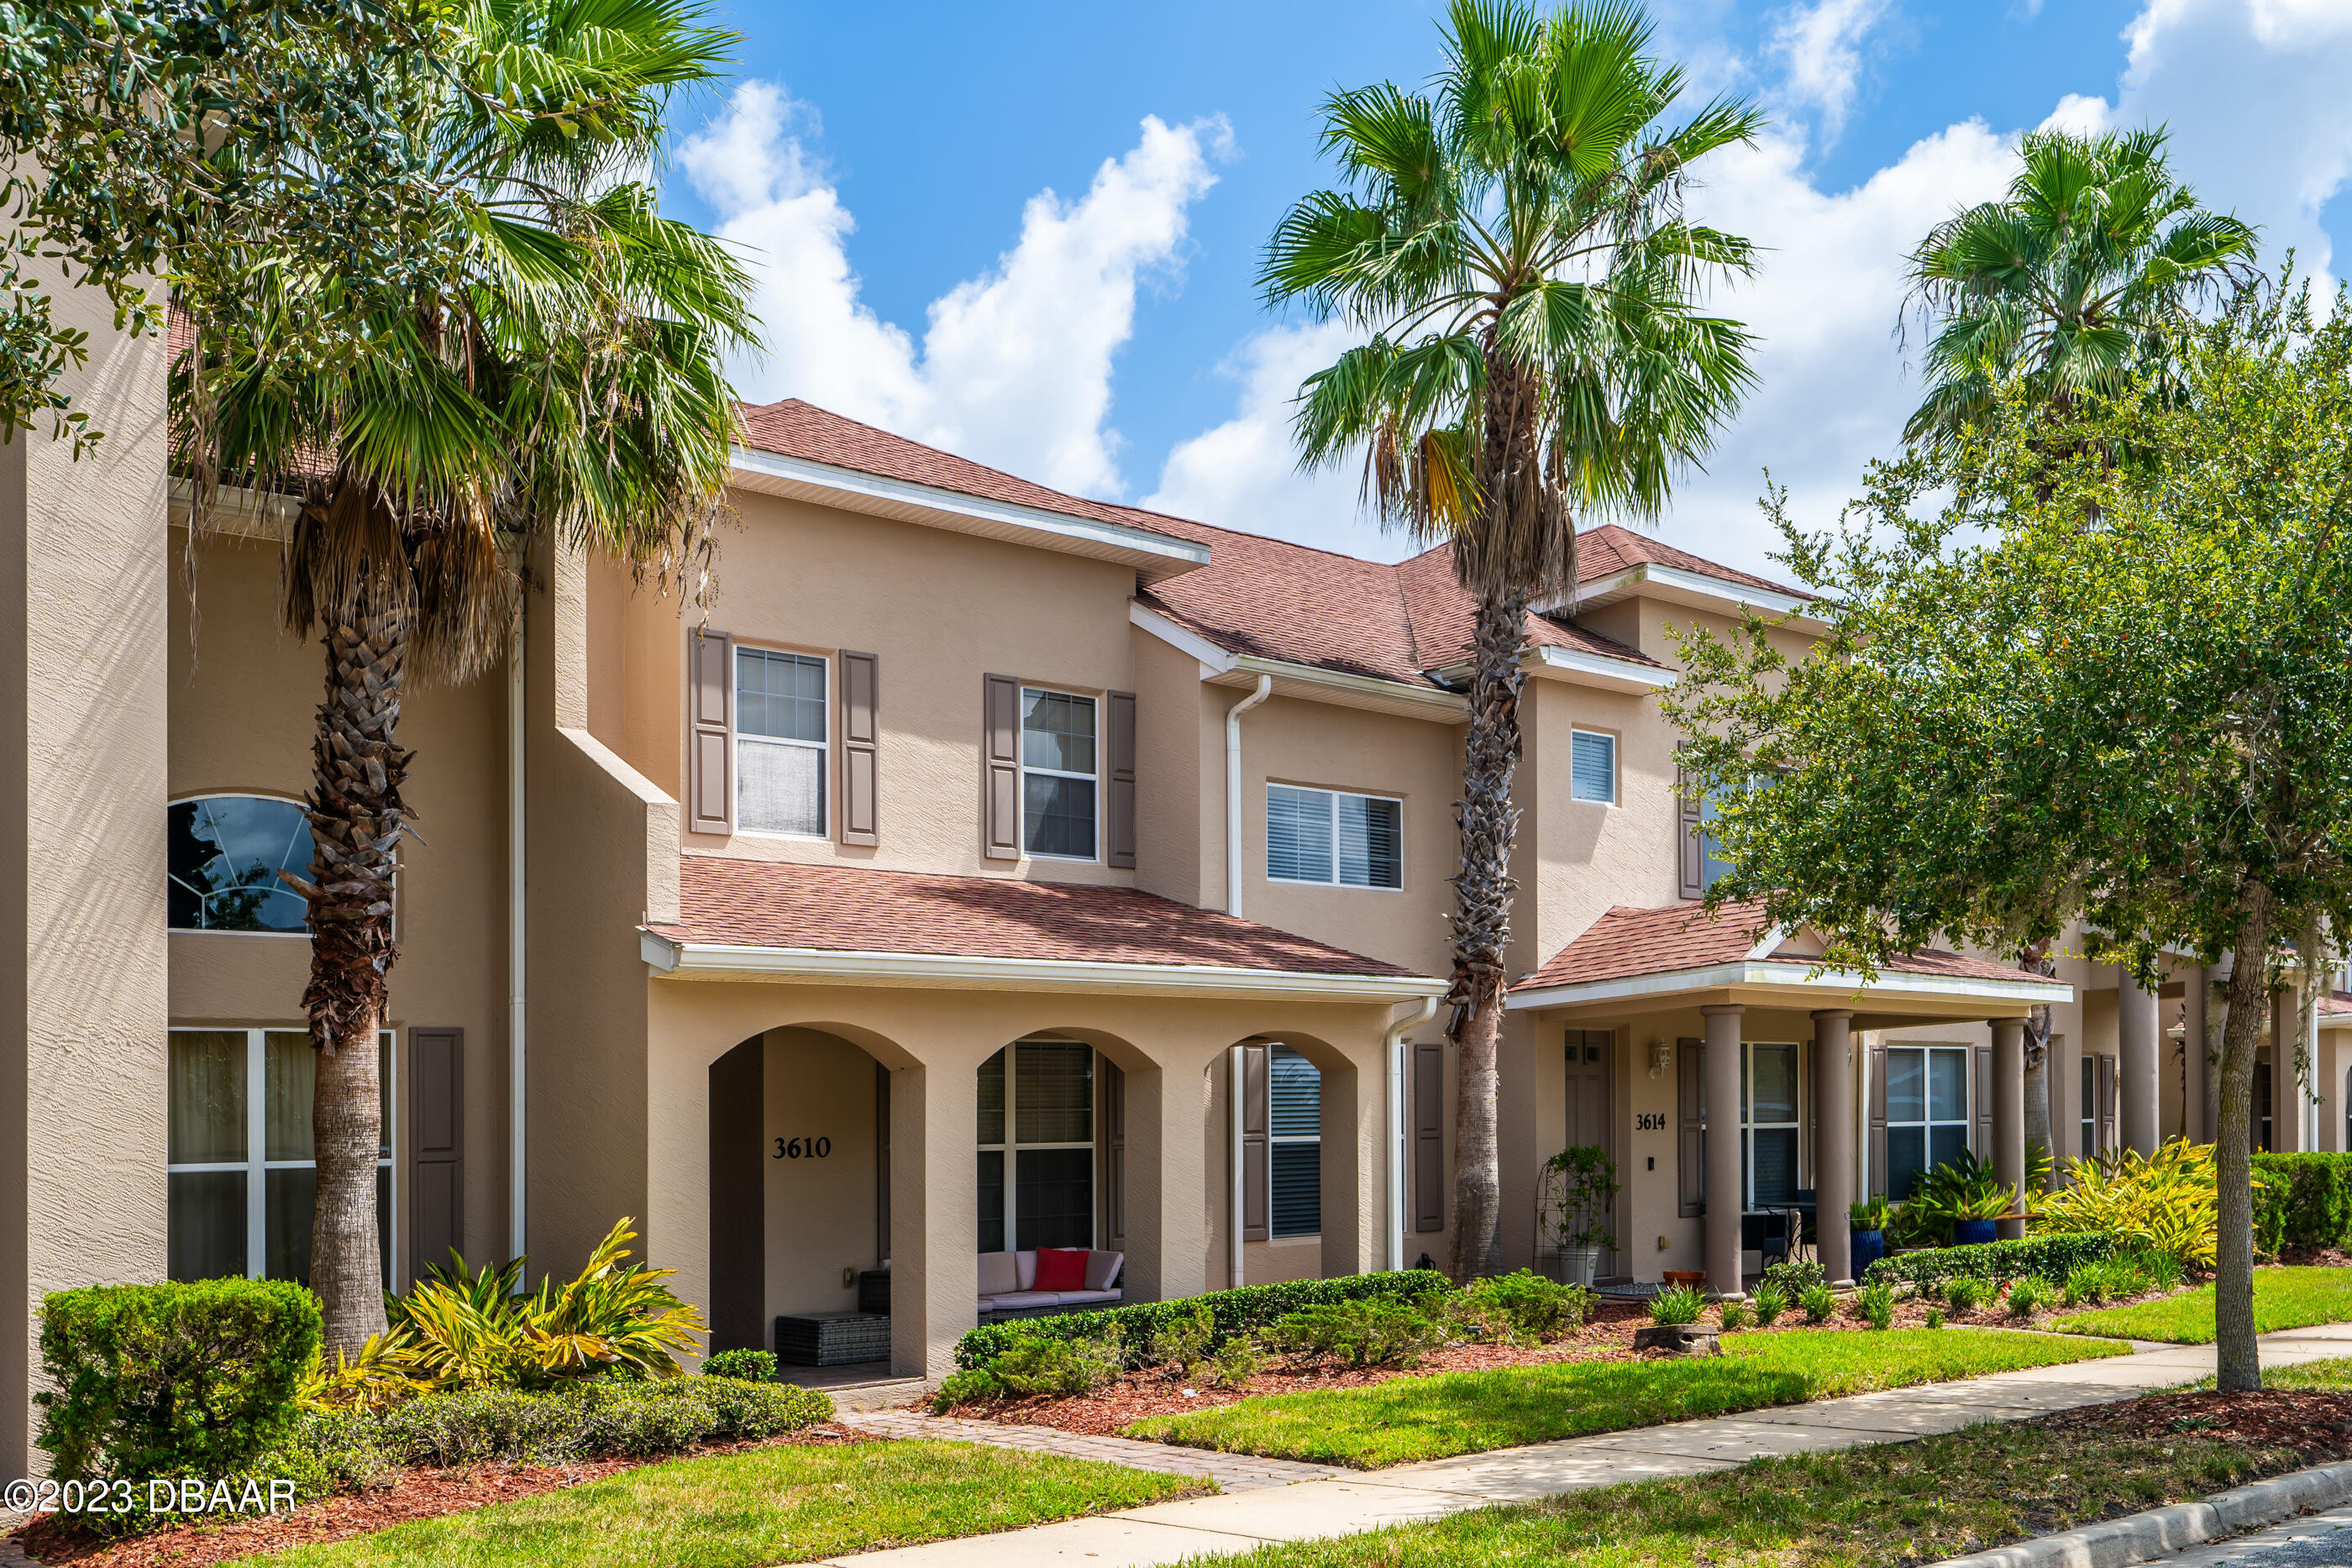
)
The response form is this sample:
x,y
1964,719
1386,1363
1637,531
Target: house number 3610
x,y
803,1148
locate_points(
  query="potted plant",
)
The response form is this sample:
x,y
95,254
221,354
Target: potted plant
x,y
1964,1193
1577,1183
1868,1219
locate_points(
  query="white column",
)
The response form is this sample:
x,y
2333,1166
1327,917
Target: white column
x,y
2008,1112
1833,1097
2136,1054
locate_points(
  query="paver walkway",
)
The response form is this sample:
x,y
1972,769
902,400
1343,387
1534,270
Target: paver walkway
x,y
1345,1503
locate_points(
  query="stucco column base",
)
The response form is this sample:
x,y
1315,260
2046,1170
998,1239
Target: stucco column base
x,y
2009,1112
1833,1156
2138,1044
934,1217
1723,1163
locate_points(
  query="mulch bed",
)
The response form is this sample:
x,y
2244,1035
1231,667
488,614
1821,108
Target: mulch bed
x,y
2317,1425
415,1494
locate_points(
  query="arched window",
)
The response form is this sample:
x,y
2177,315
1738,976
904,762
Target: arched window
x,y
224,853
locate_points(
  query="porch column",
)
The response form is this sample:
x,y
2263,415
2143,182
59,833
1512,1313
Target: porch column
x,y
1723,1163
1833,1156
934,1216
2286,1087
2194,992
2137,1053
2008,1112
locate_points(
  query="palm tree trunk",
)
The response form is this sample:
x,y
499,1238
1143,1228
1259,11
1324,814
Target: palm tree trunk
x,y
356,819
2238,1359
1482,926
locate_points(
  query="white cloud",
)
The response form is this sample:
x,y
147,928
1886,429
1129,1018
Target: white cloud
x,y
1014,367
1820,50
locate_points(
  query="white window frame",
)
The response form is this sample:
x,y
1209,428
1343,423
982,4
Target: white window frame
x,y
1333,798
823,748
1096,777
1749,1128
256,1162
1274,1138
1012,1146
294,801
1928,1120
1577,733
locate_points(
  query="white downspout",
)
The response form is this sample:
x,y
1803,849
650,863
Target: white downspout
x,y
1234,825
517,942
1235,1257
1393,1044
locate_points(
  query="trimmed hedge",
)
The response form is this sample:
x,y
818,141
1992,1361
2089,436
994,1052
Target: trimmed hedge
x,y
2304,1200
186,1380
1249,1310
2044,1256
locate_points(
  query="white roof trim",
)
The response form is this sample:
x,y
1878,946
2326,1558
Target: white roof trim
x,y
714,961
1599,670
1688,587
1787,973
1309,681
1157,555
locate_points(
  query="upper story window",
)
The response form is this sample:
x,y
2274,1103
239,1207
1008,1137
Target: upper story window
x,y
779,743
223,854
1592,766
1330,837
1058,774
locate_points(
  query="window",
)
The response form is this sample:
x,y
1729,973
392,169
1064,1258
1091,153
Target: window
x,y
1767,1124
222,857
1057,774
1927,1111
780,762
2090,1076
1295,1142
1712,866
2263,1129
1324,836
240,1182
1592,767
1041,1117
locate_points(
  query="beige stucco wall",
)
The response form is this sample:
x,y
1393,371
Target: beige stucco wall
x,y
83,586
820,1212
1179,777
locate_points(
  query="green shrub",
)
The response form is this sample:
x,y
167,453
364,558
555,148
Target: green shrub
x,y
1793,1276
186,1380
2030,1295
1935,1318
966,1385
1731,1315
1677,1304
743,1365
1379,1330
1036,1364
2050,1256
1875,1304
2303,1200
1184,1340
2159,1270
1964,1293
1252,1308
1820,1303
1770,1301
611,1418
1237,1361
1523,1306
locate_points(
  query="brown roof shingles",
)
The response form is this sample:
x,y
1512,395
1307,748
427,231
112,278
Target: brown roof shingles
x,y
767,904
1628,941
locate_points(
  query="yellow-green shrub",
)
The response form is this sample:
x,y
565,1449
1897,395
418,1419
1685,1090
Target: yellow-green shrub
x,y
2164,1202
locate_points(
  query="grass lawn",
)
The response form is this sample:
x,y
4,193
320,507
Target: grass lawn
x,y
2283,1299
783,1504
1410,1418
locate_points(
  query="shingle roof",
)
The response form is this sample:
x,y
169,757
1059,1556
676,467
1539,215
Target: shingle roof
x,y
1628,941
2337,1002
765,904
1606,550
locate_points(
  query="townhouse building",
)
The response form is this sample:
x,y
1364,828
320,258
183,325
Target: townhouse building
x,y
983,869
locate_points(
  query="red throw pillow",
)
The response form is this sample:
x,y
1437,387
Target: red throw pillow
x,y
1061,1269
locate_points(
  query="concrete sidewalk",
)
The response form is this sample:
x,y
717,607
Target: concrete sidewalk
x,y
1169,1532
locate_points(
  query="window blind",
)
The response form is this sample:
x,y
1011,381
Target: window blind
x,y
1368,848
1297,834
1592,766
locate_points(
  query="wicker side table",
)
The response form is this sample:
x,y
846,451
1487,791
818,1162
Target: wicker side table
x,y
833,1339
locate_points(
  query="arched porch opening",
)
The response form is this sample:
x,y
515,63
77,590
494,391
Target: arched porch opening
x,y
1293,1170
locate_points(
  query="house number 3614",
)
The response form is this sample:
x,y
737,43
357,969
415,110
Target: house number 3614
x,y
1650,1121
803,1148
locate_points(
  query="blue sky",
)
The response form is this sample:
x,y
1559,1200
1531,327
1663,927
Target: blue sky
x,y
1028,232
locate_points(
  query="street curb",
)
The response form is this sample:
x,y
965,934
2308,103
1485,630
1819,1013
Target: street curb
x,y
2161,1532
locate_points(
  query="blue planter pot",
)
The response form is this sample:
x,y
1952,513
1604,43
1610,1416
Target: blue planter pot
x,y
1869,1246
1971,1233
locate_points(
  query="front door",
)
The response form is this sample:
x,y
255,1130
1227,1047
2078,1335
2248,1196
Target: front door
x,y
1591,1118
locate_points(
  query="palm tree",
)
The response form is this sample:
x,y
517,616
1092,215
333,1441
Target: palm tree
x,y
2073,284
1512,240
562,379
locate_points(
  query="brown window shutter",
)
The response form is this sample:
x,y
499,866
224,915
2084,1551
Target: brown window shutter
x,y
1877,1183
710,706
2107,1104
1257,1173
1980,1086
1429,1137
436,1147
1001,750
1120,776
860,817
1689,858
1690,1128
1114,1152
